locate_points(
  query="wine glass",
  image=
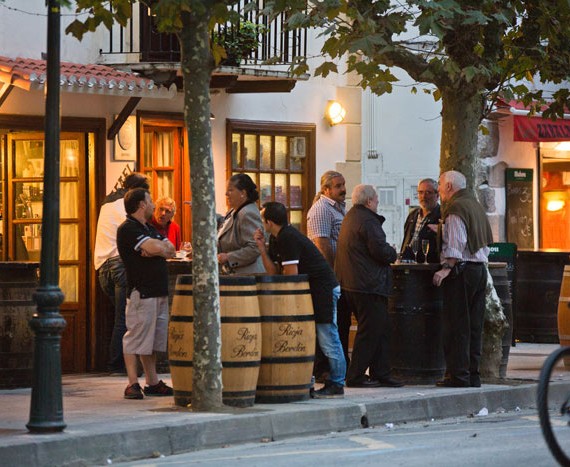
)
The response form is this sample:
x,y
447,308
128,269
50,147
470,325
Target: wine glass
x,y
415,247
425,250
187,248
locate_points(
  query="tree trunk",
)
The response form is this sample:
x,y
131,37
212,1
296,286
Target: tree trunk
x,y
494,326
197,65
461,116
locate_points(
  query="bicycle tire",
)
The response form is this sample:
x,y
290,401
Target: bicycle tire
x,y
542,404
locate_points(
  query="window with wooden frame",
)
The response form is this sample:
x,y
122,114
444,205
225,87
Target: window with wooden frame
x,y
163,159
280,158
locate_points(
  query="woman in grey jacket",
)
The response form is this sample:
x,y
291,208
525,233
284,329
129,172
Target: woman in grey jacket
x,y
237,251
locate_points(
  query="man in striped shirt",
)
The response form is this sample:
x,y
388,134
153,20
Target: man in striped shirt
x,y
323,226
466,232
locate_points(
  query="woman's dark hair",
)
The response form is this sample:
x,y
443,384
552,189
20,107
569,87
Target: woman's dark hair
x,y
133,198
244,182
275,212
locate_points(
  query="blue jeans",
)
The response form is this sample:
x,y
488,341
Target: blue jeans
x,y
329,342
113,281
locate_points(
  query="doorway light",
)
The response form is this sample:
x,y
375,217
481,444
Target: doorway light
x,y
334,113
555,205
555,200
562,146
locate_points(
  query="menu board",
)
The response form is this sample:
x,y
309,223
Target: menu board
x,y
519,207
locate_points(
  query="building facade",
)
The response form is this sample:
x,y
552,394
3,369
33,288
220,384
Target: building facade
x,y
122,110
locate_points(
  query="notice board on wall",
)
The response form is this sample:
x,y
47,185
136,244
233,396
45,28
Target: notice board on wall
x,y
519,207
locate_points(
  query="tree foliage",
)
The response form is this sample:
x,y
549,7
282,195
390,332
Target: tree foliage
x,y
470,49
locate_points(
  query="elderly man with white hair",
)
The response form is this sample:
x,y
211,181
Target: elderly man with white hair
x,y
466,234
362,267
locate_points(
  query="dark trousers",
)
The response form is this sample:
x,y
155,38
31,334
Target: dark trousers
x,y
344,320
113,281
463,312
372,340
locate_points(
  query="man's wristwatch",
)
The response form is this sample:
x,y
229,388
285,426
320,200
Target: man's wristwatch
x,y
446,266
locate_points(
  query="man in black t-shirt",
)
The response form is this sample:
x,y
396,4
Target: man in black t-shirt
x,y
144,251
294,253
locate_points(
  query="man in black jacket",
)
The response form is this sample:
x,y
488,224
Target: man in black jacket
x,y
422,222
363,269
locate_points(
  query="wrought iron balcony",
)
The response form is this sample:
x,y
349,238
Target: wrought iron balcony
x,y
139,42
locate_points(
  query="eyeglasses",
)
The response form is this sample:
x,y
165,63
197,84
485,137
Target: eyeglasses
x,y
427,192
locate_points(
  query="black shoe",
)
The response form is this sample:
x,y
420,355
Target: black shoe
x,y
133,391
329,391
389,382
475,383
364,383
158,389
452,383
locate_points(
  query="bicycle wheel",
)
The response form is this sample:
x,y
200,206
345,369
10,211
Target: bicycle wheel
x,y
554,424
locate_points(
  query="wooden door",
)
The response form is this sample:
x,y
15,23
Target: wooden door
x,y
25,193
165,162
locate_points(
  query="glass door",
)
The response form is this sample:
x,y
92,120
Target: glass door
x,y
25,195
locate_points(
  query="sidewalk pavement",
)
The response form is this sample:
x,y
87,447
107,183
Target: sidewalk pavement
x,y
103,428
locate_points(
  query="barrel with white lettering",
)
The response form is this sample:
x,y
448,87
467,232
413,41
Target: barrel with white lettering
x,y
241,340
288,338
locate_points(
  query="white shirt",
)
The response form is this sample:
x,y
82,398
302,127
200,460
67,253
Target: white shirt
x,y
112,215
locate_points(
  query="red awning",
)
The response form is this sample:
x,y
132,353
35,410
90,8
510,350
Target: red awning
x,y
534,129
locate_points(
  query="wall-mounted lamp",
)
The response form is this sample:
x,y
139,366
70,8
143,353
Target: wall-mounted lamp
x,y
212,116
334,113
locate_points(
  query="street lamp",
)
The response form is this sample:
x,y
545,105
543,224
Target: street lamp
x,y
46,409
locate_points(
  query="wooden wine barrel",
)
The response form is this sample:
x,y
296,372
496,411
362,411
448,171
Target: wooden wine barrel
x,y
18,282
288,338
498,272
564,312
415,312
241,340
539,277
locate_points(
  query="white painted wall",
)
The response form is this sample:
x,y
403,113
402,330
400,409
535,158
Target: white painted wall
x,y
403,130
23,33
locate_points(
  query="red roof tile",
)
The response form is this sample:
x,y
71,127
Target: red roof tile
x,y
28,73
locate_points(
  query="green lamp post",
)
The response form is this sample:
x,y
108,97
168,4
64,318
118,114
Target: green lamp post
x,y
46,410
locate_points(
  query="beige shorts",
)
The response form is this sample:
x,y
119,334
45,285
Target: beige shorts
x,y
147,324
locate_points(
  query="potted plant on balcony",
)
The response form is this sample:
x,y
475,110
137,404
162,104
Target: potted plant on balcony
x,y
238,43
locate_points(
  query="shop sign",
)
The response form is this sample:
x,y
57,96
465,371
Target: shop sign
x,y
534,129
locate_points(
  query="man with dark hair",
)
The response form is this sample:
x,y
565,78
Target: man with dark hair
x,y
466,234
144,252
110,267
293,253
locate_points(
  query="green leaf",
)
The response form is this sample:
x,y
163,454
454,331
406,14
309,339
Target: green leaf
x,y
325,68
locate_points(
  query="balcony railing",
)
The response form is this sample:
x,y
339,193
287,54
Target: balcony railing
x,y
140,42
